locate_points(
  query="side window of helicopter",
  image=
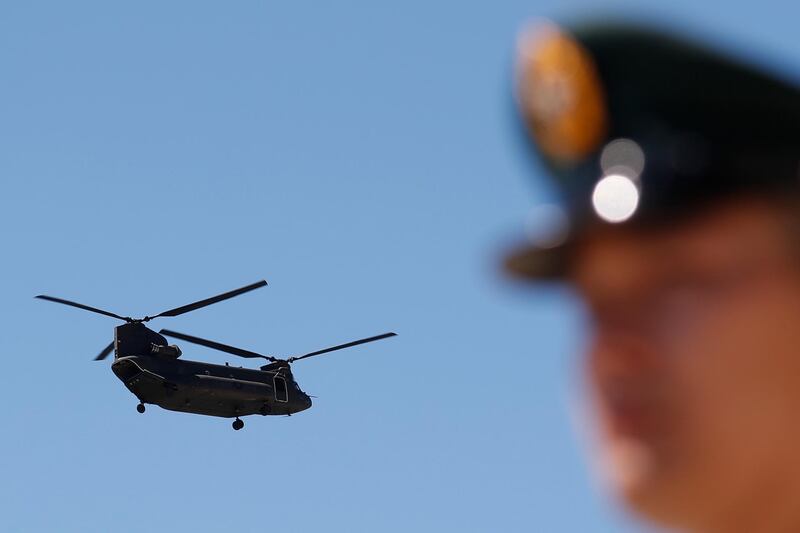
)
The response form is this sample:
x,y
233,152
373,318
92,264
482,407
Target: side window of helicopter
x,y
281,394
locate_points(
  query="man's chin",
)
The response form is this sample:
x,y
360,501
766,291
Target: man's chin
x,y
639,475
627,465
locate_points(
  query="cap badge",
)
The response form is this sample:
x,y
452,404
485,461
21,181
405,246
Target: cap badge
x,y
560,94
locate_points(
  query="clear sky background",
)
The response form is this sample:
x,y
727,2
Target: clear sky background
x,y
361,157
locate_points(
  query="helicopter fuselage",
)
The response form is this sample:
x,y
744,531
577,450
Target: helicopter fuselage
x,y
210,389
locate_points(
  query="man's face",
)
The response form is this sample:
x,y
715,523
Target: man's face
x,y
694,361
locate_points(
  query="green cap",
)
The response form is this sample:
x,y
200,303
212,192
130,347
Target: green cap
x,y
636,125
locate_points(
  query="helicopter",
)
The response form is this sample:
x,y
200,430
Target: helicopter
x,y
153,371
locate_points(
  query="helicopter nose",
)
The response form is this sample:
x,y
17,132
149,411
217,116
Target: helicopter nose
x,y
307,402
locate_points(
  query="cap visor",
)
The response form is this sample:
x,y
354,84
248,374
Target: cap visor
x,y
536,263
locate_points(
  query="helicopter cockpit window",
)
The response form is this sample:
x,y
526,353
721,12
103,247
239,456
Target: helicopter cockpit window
x,y
281,394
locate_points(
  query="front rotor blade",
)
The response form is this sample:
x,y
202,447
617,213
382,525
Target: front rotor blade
x,y
107,350
216,345
208,301
81,306
342,346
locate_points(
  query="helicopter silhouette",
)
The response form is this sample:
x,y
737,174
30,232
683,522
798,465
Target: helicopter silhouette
x,y
153,371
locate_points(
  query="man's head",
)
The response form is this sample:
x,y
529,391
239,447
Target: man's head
x,y
689,267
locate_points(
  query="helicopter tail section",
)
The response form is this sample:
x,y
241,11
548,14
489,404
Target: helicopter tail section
x,y
141,382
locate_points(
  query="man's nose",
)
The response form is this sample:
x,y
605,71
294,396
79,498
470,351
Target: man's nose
x,y
617,350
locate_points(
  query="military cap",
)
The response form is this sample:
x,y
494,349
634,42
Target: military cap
x,y
635,125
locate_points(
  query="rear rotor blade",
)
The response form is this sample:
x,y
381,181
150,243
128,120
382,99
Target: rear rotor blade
x,y
208,301
342,346
81,306
215,345
107,350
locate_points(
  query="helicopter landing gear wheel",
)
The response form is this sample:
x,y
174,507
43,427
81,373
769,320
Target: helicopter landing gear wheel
x,y
237,424
140,407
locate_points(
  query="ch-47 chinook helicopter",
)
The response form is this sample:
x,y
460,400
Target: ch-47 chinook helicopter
x,y
153,371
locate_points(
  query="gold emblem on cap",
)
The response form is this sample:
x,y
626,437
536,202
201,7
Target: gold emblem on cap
x,y
560,94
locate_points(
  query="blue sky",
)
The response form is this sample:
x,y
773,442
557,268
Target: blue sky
x,y
361,157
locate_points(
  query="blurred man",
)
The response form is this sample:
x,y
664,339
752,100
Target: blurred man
x,y
679,171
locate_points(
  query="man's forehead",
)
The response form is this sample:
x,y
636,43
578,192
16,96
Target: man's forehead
x,y
610,256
